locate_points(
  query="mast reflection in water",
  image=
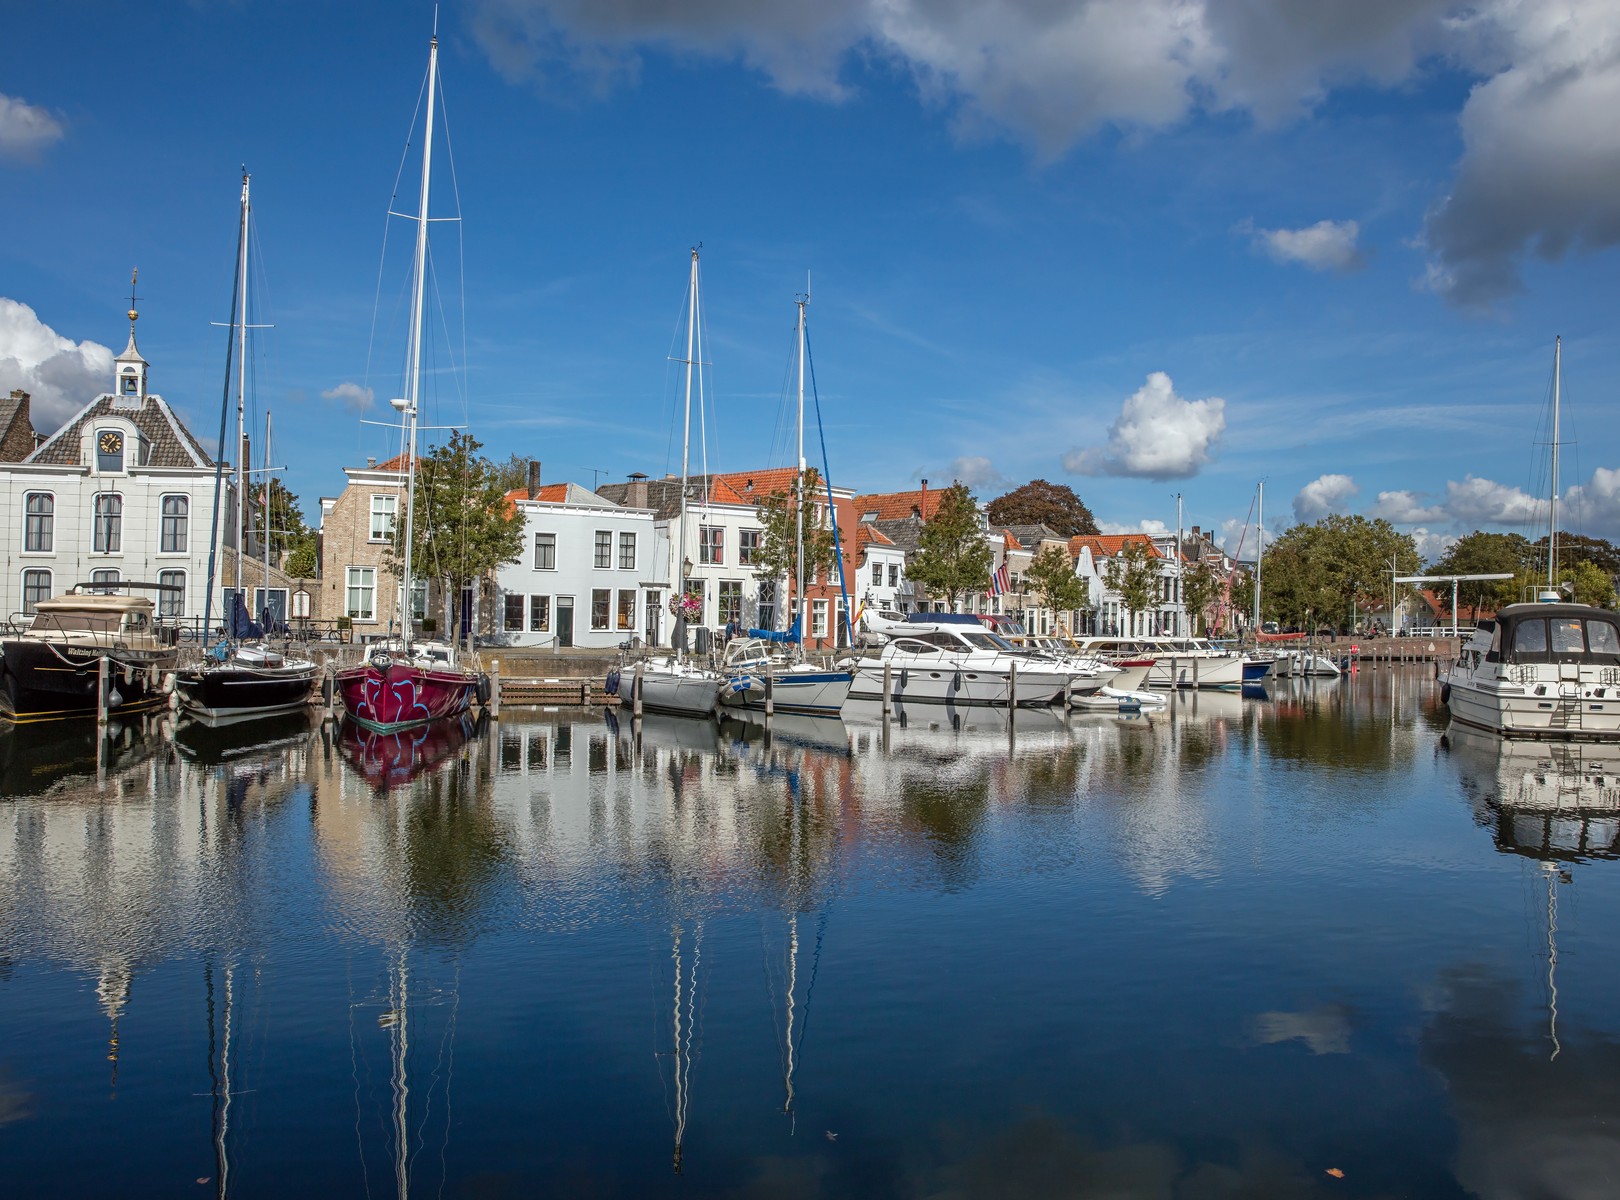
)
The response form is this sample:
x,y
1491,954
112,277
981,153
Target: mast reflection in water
x,y
1213,950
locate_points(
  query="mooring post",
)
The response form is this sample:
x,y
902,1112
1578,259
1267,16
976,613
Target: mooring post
x,y
584,693
770,696
635,694
103,678
495,690
1195,673
1012,687
888,696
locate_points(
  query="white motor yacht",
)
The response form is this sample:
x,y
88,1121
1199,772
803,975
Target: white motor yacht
x,y
1545,670
952,663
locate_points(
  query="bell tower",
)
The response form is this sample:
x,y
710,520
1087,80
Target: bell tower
x,y
129,382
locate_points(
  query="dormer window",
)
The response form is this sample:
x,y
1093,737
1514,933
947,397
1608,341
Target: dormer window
x,y
110,452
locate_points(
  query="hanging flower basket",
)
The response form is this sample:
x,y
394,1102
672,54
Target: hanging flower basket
x,y
686,605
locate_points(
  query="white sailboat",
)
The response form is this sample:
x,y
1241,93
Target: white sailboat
x,y
673,684
1547,669
756,668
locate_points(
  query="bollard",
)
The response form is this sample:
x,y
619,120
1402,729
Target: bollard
x,y
888,695
495,690
1012,688
770,696
584,693
1195,673
635,695
103,676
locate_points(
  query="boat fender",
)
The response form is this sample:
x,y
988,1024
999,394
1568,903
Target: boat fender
x,y
903,673
611,687
1445,693
956,682
168,683
482,688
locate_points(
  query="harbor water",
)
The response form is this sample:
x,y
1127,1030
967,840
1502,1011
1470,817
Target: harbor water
x,y
1308,943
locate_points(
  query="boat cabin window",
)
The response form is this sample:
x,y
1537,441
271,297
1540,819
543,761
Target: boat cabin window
x,y
136,621
1563,638
984,641
77,622
1530,637
1602,638
1566,636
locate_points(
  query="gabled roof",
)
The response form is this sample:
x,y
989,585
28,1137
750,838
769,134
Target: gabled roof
x,y
905,533
1030,536
664,495
560,493
755,485
1107,545
892,506
171,443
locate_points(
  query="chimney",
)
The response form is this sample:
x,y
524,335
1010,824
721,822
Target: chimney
x,y
637,495
922,510
534,479
371,462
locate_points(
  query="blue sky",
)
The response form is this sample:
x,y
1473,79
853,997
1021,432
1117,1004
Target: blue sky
x,y
1137,246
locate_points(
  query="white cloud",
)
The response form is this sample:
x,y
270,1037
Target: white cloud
x,y
1405,508
1157,435
1432,544
974,470
1240,538
1479,501
1594,508
62,375
1323,495
25,129
350,395
1151,527
1325,246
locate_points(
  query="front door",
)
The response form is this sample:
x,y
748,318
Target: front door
x,y
466,612
565,620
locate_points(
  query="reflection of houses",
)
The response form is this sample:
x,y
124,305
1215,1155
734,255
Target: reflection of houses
x,y
123,491
592,571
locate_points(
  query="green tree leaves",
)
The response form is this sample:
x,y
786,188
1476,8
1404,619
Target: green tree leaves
x,y
952,554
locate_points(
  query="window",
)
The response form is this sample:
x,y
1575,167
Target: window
x,y
39,535
1567,637
747,547
767,604
711,544
601,600
383,510
171,597
362,588
627,609
545,552
730,601
275,600
109,451
109,533
418,599
604,549
176,516
539,614
818,618
655,602
877,574
627,552
1601,638
36,587
104,576
514,613
894,575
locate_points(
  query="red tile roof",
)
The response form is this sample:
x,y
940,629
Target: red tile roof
x,y
551,493
893,506
1109,544
755,485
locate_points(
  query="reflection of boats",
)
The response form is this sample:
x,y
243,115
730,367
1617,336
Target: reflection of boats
x,y
204,742
36,761
974,724
389,760
798,729
678,733
1547,802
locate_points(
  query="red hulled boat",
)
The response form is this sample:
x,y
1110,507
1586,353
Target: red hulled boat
x,y
398,688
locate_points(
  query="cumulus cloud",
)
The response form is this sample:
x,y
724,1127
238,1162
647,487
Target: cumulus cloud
x,y
1157,435
1486,502
350,395
1240,538
62,375
1431,544
1405,508
1540,170
1151,527
1325,246
25,129
1594,507
975,470
1323,495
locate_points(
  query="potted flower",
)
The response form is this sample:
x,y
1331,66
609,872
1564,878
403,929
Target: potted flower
x,y
686,605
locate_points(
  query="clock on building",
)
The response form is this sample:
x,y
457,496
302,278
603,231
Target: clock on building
x,y
112,442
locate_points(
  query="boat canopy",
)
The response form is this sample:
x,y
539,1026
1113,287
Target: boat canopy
x,y
1555,633
923,618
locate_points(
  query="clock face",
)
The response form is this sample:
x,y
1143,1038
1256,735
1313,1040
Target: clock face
x,y
112,443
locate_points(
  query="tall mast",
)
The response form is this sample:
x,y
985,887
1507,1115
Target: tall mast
x,y
799,494
1179,613
241,388
1552,522
1259,555
414,363
686,437
267,514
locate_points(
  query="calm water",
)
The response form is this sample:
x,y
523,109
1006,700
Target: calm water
x,y
1210,953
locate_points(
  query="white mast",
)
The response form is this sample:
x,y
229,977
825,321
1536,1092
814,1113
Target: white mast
x,y
267,517
1180,611
414,362
241,388
1552,523
1259,556
686,444
798,582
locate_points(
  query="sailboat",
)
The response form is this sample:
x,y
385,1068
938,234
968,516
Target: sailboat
x,y
754,666
242,677
674,684
1544,669
402,683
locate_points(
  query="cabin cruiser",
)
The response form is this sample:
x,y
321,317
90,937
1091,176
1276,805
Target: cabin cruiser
x,y
794,685
54,668
955,662
1181,661
399,684
1540,670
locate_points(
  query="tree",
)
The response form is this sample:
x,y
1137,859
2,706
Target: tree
x,y
1200,588
1242,597
1576,548
287,528
464,528
778,553
301,561
1485,554
1052,578
952,554
1041,503
1323,572
1133,574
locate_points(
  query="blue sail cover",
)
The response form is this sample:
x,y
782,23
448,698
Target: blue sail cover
x,y
242,626
790,637
944,618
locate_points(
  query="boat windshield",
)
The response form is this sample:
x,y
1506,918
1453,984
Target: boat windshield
x,y
1566,638
985,641
70,621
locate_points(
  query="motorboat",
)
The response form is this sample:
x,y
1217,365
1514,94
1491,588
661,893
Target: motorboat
x,y
950,663
1177,662
1540,670
54,669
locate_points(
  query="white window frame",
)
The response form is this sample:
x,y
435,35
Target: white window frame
x,y
181,522
627,550
712,545
46,519
384,515
818,618
602,555
38,575
107,538
748,542
547,542
607,609
171,606
364,580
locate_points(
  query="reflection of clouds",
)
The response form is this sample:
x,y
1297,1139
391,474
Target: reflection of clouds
x,y
1326,1029
1529,1125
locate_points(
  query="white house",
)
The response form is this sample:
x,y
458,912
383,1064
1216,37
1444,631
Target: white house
x,y
880,580
122,492
1164,614
593,572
